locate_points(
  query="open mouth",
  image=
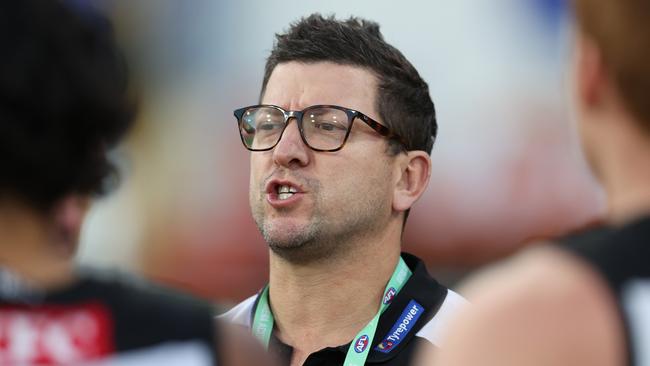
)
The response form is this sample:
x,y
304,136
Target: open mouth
x,y
285,191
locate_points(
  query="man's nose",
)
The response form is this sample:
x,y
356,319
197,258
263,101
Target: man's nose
x,y
291,150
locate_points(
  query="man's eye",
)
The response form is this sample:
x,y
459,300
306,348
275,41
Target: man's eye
x,y
268,126
327,126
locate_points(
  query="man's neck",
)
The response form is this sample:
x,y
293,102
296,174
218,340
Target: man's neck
x,y
26,251
630,201
326,304
626,176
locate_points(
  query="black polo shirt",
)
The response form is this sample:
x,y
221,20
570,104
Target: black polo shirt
x,y
413,320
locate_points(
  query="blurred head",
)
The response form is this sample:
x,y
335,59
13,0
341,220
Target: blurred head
x,y
63,105
367,186
612,70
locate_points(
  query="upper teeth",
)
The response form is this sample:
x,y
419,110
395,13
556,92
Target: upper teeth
x,y
286,189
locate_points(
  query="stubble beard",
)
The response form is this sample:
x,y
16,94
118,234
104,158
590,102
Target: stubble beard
x,y
318,240
302,246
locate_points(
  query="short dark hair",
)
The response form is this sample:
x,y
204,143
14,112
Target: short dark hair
x,y
403,100
63,101
621,29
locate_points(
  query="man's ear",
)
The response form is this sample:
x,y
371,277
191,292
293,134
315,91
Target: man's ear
x,y
412,179
67,218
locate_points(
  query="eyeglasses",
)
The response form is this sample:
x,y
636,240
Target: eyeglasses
x,y
322,127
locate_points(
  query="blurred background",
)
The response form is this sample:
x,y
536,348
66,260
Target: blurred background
x,y
507,167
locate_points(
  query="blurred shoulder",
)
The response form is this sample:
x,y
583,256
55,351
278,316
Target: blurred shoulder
x,y
543,306
544,273
138,293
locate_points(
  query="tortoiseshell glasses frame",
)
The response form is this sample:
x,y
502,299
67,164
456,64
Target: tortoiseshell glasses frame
x,y
322,127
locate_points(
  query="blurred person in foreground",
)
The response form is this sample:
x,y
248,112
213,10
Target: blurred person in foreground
x,y
585,300
63,104
340,152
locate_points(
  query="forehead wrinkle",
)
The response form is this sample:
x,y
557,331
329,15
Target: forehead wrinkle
x,y
288,88
298,102
287,98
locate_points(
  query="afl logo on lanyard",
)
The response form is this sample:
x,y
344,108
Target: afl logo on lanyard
x,y
390,294
361,343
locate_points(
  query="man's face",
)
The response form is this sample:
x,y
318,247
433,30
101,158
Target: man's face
x,y
341,196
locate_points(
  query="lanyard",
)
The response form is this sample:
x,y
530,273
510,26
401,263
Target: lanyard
x,y
360,346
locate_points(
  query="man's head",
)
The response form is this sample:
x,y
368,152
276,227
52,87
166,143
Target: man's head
x,y
63,104
612,72
364,189
402,99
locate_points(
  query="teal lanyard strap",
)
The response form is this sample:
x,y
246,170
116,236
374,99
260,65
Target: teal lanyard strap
x,y
263,319
360,346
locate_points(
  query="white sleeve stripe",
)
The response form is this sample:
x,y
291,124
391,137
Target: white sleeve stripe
x,y
636,302
434,330
167,354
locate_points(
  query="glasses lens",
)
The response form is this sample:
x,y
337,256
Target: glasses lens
x,y
325,128
261,127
